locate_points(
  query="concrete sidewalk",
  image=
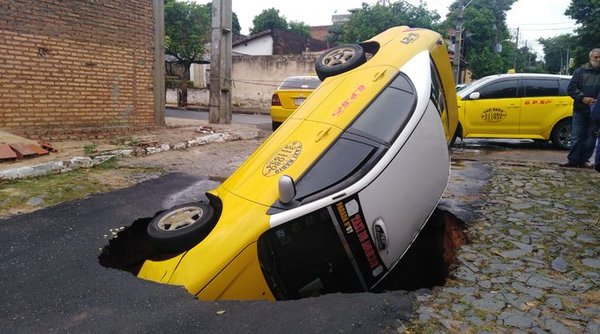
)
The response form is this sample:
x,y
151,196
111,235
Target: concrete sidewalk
x,y
177,135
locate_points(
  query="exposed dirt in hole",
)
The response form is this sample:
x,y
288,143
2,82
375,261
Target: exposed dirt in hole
x,y
425,265
431,257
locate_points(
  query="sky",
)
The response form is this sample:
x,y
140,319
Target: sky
x,y
533,18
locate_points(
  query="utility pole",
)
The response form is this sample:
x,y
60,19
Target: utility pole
x,y
458,42
516,51
220,63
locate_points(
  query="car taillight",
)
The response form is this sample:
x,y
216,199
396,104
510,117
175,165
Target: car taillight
x,y
275,100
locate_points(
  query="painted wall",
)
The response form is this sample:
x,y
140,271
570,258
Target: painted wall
x,y
262,46
255,78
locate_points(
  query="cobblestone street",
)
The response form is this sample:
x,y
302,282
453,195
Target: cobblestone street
x,y
532,265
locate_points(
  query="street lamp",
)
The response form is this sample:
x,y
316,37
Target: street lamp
x,y
458,41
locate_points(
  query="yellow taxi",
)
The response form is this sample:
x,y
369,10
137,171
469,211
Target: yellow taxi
x,y
518,106
332,200
289,95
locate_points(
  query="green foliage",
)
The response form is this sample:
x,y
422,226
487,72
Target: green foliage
x,y
268,19
235,24
334,34
187,27
557,50
483,62
300,28
586,13
370,20
484,27
90,149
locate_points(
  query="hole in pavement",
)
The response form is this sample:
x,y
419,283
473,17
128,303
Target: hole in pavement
x,y
425,265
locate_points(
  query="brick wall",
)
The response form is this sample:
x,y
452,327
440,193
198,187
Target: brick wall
x,y
76,68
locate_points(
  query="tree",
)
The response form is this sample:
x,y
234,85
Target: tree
x,y
187,28
484,28
557,51
268,19
586,13
371,20
300,28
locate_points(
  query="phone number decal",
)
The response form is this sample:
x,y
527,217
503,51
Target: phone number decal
x,y
283,158
493,115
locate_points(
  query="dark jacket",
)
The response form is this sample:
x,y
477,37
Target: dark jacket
x,y
584,82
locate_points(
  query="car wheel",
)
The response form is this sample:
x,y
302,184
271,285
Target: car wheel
x,y
339,60
181,227
275,125
561,135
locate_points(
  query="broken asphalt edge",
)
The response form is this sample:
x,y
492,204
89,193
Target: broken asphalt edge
x,y
72,164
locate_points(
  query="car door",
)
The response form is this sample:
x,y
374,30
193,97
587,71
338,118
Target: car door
x,y
493,110
542,106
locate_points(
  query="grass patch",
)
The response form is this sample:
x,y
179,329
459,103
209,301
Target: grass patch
x,y
27,195
90,149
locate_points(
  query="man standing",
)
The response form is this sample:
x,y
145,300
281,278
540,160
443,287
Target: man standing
x,y
583,88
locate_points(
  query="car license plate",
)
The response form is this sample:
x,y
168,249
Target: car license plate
x,y
298,101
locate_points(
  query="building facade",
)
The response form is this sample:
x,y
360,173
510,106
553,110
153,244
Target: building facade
x,y
77,69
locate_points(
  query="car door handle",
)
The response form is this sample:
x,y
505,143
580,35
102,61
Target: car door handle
x,y
322,134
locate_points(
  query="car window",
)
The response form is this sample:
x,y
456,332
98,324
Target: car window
x,y
499,90
385,117
305,257
300,83
540,87
563,83
360,147
437,91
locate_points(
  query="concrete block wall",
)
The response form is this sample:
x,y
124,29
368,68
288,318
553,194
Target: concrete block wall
x,y
76,69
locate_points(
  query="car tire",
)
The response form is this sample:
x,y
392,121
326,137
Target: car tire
x,y
181,227
275,125
339,59
561,135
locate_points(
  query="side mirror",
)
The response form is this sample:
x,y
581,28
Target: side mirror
x,y
474,96
287,189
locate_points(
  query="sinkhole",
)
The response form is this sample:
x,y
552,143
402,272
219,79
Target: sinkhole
x,y
426,264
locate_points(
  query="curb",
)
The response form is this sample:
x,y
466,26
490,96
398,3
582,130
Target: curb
x,y
64,166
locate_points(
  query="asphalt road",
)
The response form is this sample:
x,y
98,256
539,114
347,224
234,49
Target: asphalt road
x,y
262,121
51,279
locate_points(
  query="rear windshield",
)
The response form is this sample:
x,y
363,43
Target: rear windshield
x,y
300,83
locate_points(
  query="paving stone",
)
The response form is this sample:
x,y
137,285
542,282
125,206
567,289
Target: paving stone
x,y
513,253
518,320
465,274
592,327
593,263
555,327
485,284
489,305
559,264
514,232
543,282
524,247
586,238
476,321
533,292
555,303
